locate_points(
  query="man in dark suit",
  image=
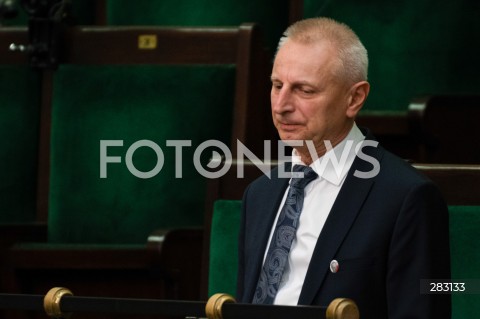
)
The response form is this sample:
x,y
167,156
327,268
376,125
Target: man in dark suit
x,y
369,227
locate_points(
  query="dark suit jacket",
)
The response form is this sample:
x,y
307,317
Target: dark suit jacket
x,y
387,233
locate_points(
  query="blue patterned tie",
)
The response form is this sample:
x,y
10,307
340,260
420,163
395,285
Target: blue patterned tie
x,y
283,236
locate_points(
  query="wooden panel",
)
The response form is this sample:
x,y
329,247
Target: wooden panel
x,y
458,183
447,128
170,260
383,123
393,131
119,45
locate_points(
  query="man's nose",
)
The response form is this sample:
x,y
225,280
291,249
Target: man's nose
x,y
282,100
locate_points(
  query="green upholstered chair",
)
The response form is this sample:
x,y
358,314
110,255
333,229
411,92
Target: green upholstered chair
x,y
100,230
415,47
464,240
191,85
131,103
272,15
465,254
19,123
223,247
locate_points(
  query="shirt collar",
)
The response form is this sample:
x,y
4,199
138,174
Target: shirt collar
x,y
334,165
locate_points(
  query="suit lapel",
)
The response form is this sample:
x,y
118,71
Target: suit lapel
x,y
344,211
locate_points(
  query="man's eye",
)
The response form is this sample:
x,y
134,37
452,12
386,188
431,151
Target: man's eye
x,y
277,86
307,91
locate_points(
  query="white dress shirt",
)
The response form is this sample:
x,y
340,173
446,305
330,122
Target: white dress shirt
x,y
320,195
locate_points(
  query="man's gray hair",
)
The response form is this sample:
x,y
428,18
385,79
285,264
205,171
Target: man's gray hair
x,y
351,52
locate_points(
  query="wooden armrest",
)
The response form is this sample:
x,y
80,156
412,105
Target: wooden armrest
x,y
167,266
22,232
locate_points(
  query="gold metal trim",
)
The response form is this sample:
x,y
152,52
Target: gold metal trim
x,y
51,302
342,308
213,308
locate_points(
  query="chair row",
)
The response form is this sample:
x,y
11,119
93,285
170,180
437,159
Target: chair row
x,y
272,15
193,84
413,50
114,230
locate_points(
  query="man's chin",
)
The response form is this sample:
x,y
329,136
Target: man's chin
x,y
293,141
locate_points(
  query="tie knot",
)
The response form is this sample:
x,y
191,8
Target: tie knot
x,y
308,176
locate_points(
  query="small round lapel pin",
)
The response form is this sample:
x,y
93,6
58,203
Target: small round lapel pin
x,y
334,266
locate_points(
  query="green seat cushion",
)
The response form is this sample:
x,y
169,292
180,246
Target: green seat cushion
x,y
131,103
465,255
223,247
19,124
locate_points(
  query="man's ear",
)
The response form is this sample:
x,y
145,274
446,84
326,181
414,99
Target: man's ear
x,y
358,94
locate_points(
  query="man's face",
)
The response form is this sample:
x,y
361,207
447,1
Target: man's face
x,y
308,101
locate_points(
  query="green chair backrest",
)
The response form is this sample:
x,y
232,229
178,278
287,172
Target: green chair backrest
x,y
131,103
19,124
415,47
465,255
271,15
464,241
223,247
